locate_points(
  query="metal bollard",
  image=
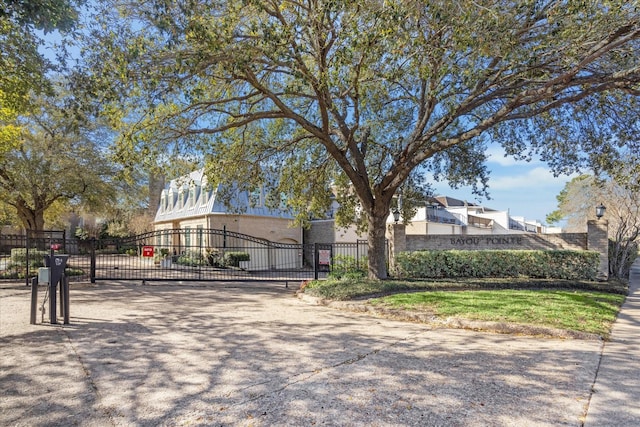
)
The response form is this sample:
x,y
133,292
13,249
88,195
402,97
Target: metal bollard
x,y
65,292
34,299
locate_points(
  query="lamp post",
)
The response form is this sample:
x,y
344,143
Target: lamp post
x,y
600,210
396,215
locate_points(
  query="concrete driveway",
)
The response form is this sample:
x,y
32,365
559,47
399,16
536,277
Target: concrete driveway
x,y
255,355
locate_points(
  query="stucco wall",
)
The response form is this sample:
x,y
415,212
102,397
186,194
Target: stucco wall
x,y
426,227
273,229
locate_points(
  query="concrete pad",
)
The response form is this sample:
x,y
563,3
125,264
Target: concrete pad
x,y
254,355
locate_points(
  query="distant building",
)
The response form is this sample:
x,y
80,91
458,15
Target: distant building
x,y
439,215
190,203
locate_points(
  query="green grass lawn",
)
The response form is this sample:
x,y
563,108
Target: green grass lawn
x,y
589,307
584,311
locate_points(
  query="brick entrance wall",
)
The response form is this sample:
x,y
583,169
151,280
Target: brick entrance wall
x,y
571,241
596,239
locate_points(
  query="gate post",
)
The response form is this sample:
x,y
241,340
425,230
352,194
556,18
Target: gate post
x,y
397,238
598,240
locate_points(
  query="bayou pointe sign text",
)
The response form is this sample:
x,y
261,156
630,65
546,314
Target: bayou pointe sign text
x,y
475,241
481,242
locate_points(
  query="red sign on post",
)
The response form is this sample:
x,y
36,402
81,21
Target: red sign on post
x,y
147,251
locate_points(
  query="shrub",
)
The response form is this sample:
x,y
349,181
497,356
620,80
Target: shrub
x,y
560,264
214,257
36,257
343,266
232,259
191,258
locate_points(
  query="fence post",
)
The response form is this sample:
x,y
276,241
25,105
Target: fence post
x,y
26,253
93,261
201,254
315,261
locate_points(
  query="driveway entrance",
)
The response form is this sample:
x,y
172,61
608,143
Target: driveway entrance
x,y
253,354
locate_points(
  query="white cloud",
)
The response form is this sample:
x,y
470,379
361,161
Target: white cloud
x,y
496,155
535,178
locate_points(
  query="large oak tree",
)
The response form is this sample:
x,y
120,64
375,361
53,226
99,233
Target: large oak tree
x,y
24,69
358,96
59,162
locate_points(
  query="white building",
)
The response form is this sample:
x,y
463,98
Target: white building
x,y
440,215
190,203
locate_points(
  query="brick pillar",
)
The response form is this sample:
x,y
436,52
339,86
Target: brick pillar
x,y
598,240
397,237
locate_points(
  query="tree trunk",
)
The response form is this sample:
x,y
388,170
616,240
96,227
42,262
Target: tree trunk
x,y
32,219
377,245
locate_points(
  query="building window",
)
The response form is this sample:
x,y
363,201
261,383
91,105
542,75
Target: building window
x,y
187,237
192,196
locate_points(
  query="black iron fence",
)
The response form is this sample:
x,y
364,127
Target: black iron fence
x,y
179,255
210,254
22,255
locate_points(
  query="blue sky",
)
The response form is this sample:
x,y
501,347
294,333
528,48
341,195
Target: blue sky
x,y
526,189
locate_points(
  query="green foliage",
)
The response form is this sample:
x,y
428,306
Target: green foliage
x,y
350,288
23,69
191,258
36,257
591,312
214,257
232,259
131,251
348,267
579,265
60,164
74,272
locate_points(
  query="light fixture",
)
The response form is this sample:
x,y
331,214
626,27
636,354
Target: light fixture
x,y
396,215
600,210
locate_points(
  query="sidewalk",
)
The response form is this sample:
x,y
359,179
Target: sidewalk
x,y
616,393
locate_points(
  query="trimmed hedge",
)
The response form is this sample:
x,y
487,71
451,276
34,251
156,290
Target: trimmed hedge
x,y
233,258
558,264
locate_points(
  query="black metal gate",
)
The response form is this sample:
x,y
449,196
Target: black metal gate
x,y
213,255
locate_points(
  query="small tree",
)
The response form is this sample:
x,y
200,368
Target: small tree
x,y
576,203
